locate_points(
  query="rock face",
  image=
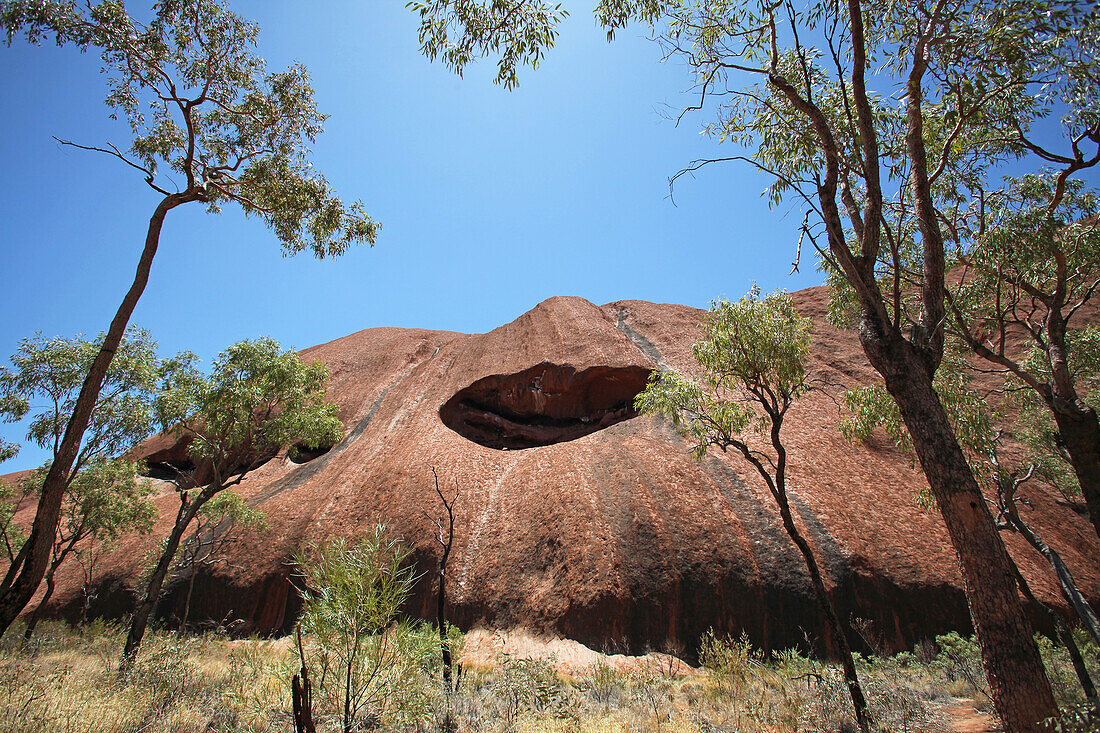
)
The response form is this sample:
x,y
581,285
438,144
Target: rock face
x,y
578,517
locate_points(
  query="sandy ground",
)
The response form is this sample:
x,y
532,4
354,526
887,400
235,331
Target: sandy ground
x,y
964,718
483,648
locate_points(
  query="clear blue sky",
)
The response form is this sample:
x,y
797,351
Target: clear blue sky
x,y
490,200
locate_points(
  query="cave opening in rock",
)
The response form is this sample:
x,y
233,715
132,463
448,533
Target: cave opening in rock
x,y
301,453
168,471
546,404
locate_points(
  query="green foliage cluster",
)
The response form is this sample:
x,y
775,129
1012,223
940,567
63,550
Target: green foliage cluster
x,y
975,422
752,355
1063,680
1039,252
1084,718
201,103
729,662
104,501
256,400
102,497
460,31
529,687
12,534
45,378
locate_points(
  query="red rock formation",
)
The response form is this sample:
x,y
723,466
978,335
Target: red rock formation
x,y
580,518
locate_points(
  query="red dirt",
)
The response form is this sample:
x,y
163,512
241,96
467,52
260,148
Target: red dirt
x,y
963,717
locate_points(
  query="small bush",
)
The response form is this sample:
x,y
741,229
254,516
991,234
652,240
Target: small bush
x,y
960,660
369,667
1081,718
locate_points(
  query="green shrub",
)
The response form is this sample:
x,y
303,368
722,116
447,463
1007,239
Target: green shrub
x,y
960,660
368,669
603,683
730,662
1081,718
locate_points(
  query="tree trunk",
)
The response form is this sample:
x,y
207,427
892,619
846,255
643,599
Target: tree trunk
x,y
302,693
441,622
777,485
302,703
187,601
144,608
837,626
1079,429
1017,679
347,684
26,573
1064,633
40,609
1065,579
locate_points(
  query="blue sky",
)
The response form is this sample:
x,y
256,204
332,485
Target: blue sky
x,y
490,200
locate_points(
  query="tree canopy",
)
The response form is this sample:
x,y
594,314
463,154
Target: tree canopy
x,y
885,123
201,103
45,378
257,400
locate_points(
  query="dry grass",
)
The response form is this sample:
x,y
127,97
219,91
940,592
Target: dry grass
x,y
67,680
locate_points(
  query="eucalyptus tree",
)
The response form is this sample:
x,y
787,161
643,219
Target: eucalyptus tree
x,y
44,383
105,500
201,106
753,356
1029,272
882,122
101,497
871,408
257,400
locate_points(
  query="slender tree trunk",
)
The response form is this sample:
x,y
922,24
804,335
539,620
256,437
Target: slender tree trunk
x,y
1064,633
40,609
140,620
837,626
1065,579
1017,679
1079,429
85,603
26,573
777,485
187,600
441,622
347,684
302,693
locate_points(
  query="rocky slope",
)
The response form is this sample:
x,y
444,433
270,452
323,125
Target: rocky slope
x,y
578,517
